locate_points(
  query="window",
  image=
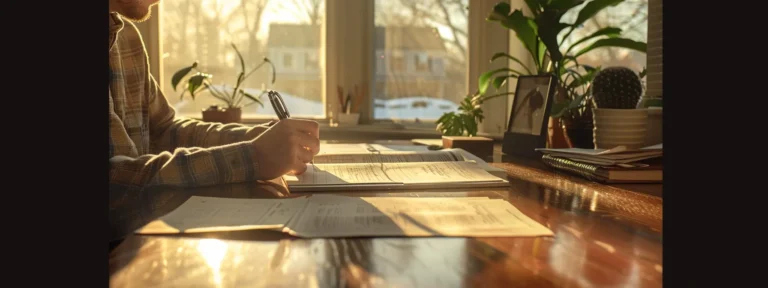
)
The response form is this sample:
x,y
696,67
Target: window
x,y
397,61
287,61
414,34
310,60
203,30
631,16
422,62
420,51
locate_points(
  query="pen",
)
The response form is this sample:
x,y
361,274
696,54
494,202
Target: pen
x,y
278,105
281,110
346,104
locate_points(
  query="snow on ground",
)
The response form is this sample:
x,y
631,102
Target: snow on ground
x,y
401,108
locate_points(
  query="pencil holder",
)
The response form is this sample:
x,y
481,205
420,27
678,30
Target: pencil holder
x,y
348,118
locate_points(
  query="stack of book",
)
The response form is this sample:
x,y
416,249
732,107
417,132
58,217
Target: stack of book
x,y
617,165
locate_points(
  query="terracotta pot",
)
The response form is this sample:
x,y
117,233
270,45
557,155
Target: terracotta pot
x,y
579,138
556,137
222,115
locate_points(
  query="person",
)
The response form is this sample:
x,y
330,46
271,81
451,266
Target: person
x,y
150,145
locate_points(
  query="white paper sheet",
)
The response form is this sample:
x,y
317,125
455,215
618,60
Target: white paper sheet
x,y
327,216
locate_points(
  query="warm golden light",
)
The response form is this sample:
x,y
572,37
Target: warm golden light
x,y
593,203
213,252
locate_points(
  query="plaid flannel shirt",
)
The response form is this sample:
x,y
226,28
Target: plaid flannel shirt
x,y
148,144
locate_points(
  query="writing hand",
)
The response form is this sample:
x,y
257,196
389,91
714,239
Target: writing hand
x,y
286,147
256,130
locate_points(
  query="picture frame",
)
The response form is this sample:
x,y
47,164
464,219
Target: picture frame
x,y
529,115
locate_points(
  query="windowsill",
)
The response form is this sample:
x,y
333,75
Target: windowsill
x,y
378,131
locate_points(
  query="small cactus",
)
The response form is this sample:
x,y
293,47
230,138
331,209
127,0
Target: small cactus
x,y
616,88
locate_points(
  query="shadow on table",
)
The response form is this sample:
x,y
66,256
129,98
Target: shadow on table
x,y
130,209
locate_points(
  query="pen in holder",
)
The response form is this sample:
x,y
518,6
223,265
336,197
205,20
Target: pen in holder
x,y
348,115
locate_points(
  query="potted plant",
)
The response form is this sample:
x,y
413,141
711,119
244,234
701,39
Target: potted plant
x,y
618,118
465,122
232,98
539,35
459,130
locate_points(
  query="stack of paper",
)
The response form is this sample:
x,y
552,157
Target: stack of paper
x,y
617,165
363,166
322,216
616,156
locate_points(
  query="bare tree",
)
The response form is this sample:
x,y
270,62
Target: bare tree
x,y
252,19
305,11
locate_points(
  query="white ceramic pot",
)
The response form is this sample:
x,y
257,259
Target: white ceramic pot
x,y
620,127
349,119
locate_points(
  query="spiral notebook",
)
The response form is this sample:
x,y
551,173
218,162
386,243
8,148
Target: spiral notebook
x,y
650,171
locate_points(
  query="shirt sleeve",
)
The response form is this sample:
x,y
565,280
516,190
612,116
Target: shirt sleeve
x,y
168,131
181,167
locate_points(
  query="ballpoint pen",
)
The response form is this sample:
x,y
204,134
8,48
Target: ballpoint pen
x,y
281,110
278,105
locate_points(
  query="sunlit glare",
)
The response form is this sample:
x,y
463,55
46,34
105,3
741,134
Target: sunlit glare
x,y
213,251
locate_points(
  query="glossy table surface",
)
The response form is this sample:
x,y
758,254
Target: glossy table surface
x,y
605,236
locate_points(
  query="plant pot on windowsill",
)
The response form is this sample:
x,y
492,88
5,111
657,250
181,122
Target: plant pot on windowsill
x,y
617,120
578,133
348,118
215,113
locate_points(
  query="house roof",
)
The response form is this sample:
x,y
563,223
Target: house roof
x,y
390,37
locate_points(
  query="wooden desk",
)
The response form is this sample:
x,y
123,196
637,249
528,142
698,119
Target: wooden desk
x,y
607,236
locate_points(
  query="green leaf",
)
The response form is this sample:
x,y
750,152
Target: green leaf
x,y
541,54
567,59
525,29
470,125
578,79
195,82
549,27
564,5
485,78
249,96
615,42
502,54
215,93
501,80
558,109
273,68
449,124
176,78
608,31
534,6
240,78
592,8
576,101
240,56
500,12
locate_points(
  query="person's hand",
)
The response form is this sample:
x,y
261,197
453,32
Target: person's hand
x,y
257,130
286,147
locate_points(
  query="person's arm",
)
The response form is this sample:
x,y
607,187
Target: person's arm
x,y
182,167
168,131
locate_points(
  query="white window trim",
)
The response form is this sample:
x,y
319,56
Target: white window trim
x,y
342,35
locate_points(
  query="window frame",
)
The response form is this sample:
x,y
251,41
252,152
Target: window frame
x,y
356,20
